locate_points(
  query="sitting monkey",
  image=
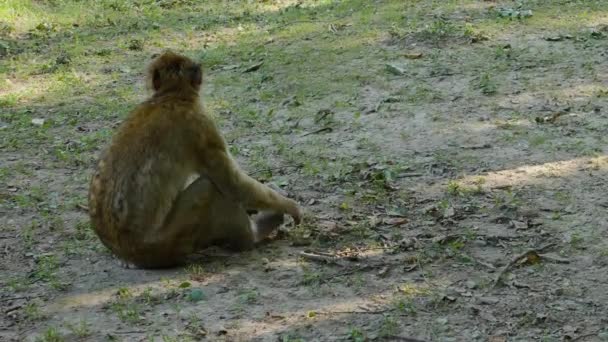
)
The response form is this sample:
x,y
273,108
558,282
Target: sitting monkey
x,y
143,203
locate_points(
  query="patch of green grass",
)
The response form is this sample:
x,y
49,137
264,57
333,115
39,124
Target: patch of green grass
x,y
51,334
357,335
82,329
389,327
577,240
538,140
404,305
249,296
47,267
32,311
17,284
125,307
487,84
455,188
27,234
291,337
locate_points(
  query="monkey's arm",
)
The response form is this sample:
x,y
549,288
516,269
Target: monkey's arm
x,y
225,172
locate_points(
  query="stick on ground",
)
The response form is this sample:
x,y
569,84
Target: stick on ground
x,y
516,259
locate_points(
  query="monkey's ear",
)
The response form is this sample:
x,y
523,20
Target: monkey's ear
x,y
156,79
196,76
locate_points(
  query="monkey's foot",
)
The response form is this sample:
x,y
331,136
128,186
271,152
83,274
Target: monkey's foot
x,y
266,222
127,265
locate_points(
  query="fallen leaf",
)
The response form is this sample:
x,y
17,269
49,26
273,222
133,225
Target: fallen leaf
x,y
413,55
397,221
487,300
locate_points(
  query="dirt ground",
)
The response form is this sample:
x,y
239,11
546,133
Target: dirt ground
x,y
450,155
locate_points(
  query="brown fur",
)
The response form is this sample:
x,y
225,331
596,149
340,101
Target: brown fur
x,y
143,203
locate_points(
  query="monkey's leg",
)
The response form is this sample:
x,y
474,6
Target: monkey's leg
x,y
266,222
200,216
208,217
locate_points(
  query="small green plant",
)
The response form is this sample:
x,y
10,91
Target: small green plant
x,y
32,311
405,305
17,284
438,29
291,337
249,296
577,240
196,271
51,334
389,327
80,329
357,335
454,188
487,85
310,277
147,297
124,306
46,270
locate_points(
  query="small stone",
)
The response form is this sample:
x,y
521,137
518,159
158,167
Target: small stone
x,y
487,300
38,122
442,320
470,284
196,295
480,243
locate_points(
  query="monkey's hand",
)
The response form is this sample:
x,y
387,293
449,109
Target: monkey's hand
x,y
294,211
292,208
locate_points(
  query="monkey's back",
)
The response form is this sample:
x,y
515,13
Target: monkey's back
x,y
140,175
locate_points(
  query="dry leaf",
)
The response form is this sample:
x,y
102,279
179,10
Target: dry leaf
x,y
397,221
413,55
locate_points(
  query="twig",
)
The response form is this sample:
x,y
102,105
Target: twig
x,y
410,174
353,312
516,259
275,169
404,339
485,264
317,257
581,337
299,22
129,332
17,298
13,308
554,259
482,263
82,207
324,129
354,270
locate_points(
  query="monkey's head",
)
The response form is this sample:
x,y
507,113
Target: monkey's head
x,y
170,71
